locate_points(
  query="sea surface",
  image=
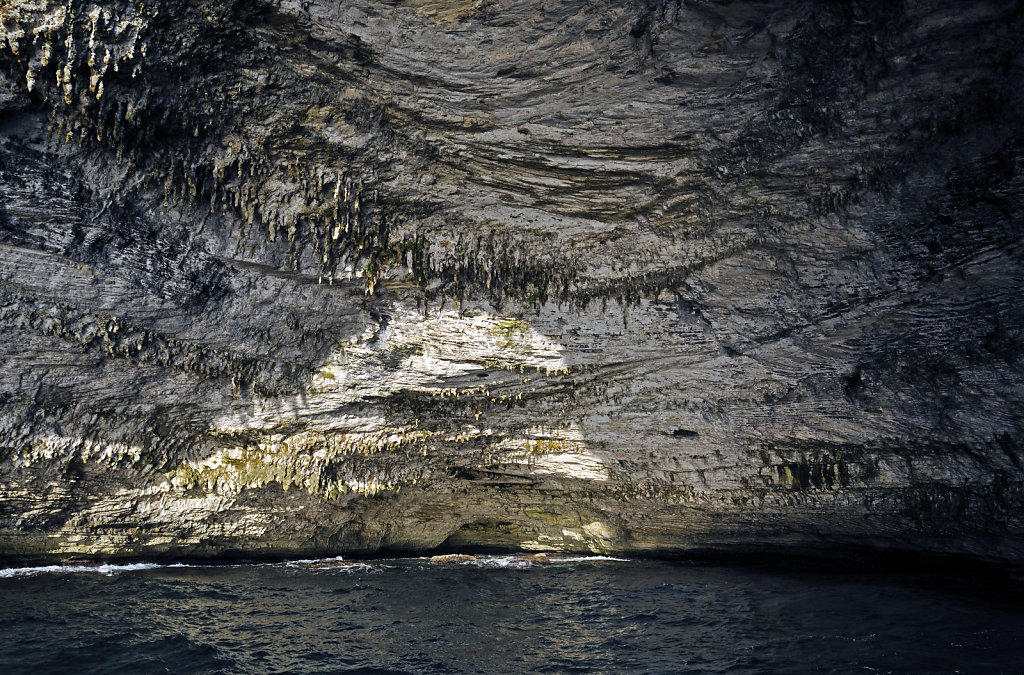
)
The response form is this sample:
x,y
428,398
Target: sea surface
x,y
501,614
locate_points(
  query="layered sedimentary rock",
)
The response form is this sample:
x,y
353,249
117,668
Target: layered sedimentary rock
x,y
292,277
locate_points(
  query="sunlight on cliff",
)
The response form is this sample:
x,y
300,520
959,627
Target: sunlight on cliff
x,y
458,368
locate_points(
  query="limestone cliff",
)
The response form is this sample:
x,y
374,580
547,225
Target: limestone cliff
x,y
304,276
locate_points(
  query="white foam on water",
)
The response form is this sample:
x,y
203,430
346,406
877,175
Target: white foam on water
x,y
588,558
523,561
106,570
503,562
335,564
359,567
312,561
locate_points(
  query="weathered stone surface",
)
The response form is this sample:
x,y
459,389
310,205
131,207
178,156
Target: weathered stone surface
x,y
315,277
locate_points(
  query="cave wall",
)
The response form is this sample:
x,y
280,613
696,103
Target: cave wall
x,y
294,277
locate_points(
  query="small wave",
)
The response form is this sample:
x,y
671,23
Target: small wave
x,y
106,570
517,561
313,561
589,558
503,562
336,564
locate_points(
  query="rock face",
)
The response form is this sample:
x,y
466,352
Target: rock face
x,y
297,277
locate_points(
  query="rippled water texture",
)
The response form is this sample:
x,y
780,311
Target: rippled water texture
x,y
500,615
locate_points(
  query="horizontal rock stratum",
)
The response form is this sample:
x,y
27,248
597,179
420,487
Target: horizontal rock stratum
x,y
292,277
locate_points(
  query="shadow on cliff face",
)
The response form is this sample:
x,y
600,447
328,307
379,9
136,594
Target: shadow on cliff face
x,y
642,277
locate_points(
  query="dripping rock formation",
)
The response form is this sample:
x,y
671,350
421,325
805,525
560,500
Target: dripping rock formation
x,y
287,277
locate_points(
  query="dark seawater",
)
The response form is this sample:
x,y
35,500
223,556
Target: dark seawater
x,y
501,615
